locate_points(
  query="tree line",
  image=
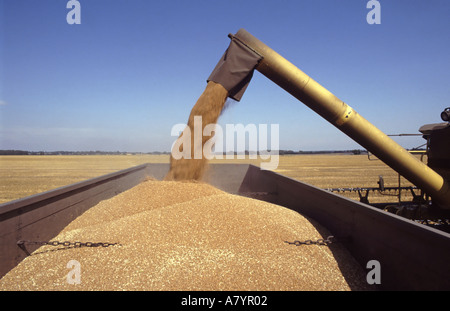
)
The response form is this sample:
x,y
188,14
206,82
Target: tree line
x,y
97,152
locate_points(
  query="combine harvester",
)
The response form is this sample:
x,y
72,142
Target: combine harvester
x,y
412,256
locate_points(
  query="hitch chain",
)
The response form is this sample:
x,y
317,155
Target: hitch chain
x,y
21,243
328,240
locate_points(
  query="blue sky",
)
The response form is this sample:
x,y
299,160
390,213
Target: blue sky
x,y
133,69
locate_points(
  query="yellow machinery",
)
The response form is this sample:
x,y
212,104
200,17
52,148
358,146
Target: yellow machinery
x,y
247,53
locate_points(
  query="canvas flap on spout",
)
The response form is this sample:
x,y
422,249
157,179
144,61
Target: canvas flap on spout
x,y
235,69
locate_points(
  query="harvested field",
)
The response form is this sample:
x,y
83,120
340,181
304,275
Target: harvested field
x,y
189,236
22,176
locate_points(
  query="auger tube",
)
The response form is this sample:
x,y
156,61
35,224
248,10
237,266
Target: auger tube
x,y
345,118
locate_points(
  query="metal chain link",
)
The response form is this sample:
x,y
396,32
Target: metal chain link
x,y
20,243
328,240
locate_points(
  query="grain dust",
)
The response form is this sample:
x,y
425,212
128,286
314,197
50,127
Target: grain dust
x,y
209,107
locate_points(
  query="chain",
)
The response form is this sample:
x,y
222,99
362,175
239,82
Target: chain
x,y
67,243
326,241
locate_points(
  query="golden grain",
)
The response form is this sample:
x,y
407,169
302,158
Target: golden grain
x,y
189,236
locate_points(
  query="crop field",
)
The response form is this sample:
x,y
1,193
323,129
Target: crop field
x,y
22,176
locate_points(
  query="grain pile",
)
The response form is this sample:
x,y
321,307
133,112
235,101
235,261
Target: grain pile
x,y
189,236
209,107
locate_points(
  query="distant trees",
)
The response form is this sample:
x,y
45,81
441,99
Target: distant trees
x,y
97,152
13,152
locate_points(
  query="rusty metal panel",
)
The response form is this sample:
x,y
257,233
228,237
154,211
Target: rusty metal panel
x,y
412,256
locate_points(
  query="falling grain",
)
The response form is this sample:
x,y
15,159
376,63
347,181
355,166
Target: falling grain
x,y
208,107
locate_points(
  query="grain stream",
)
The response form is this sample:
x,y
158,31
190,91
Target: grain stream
x,y
209,107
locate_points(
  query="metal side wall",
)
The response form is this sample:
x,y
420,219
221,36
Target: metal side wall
x,y
411,256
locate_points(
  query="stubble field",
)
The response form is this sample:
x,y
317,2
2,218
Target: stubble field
x,y
22,176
